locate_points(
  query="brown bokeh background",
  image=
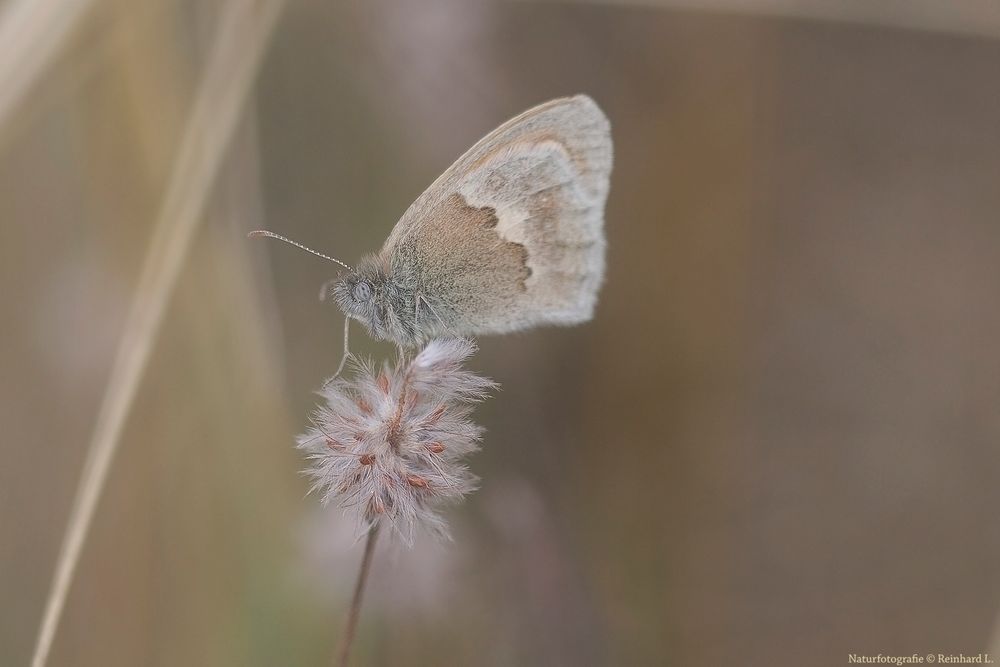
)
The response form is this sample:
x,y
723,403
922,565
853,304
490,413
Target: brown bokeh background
x,y
778,442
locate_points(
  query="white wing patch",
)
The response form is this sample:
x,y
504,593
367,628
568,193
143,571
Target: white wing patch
x,y
508,182
541,204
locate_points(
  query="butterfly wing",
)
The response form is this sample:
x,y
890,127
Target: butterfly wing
x,y
512,234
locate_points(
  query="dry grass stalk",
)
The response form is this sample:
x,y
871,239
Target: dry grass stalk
x,y
244,28
32,34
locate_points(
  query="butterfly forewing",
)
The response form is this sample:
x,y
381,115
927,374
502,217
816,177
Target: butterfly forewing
x,y
512,234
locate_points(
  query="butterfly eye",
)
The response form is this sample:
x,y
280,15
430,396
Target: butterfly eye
x,y
362,291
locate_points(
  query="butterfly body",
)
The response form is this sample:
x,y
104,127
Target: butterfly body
x,y
511,236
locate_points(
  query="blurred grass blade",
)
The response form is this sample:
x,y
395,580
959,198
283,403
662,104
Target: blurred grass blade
x,y
32,33
242,33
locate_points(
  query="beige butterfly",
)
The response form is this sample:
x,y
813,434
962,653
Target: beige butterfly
x,y
511,236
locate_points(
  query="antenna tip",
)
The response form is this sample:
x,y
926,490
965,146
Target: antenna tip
x,y
257,232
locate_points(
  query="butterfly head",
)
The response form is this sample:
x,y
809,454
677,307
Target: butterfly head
x,y
368,295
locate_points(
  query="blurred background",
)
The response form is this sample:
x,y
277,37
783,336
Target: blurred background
x,y
778,442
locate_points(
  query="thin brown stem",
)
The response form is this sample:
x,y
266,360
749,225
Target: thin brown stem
x,y
359,591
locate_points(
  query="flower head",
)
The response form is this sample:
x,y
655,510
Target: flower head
x,y
388,445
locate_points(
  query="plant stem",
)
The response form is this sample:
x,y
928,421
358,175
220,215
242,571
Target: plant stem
x,y
359,590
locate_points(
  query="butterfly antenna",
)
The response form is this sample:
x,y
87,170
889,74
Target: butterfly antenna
x,y
264,232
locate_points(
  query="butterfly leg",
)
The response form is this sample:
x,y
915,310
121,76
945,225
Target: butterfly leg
x,y
347,353
444,327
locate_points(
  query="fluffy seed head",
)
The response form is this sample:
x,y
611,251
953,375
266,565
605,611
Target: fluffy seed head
x,y
388,444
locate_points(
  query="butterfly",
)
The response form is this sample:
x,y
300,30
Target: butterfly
x,y
510,237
